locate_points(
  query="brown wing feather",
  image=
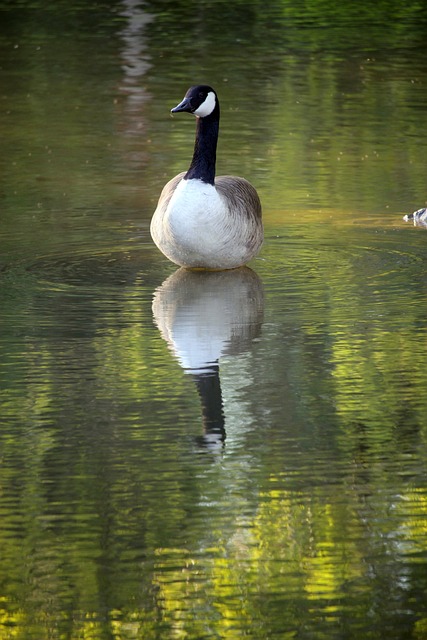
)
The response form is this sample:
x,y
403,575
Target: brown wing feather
x,y
240,194
242,200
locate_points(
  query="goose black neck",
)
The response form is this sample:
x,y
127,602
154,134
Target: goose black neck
x,y
209,388
204,157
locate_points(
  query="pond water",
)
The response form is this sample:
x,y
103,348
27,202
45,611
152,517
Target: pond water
x,y
213,455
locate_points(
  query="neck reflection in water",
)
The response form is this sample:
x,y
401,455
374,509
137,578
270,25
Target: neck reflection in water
x,y
204,315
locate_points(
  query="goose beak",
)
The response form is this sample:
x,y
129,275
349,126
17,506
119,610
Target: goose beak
x,y
185,105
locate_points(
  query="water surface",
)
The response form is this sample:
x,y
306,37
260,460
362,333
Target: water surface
x,y
190,455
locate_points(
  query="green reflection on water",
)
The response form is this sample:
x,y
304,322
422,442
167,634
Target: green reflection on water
x,y
309,522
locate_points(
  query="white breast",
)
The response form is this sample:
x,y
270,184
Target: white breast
x,y
195,213
197,228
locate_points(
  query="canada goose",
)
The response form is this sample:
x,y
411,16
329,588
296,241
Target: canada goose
x,y
419,218
202,221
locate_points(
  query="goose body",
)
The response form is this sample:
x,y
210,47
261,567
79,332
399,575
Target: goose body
x,y
203,221
419,217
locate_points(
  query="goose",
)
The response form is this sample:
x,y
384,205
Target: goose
x,y
202,221
419,217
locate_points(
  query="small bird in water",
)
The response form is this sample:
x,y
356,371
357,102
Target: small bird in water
x,y
202,221
419,218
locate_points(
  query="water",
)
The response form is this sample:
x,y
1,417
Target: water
x,y
189,455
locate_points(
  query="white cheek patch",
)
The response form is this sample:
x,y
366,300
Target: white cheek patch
x,y
207,106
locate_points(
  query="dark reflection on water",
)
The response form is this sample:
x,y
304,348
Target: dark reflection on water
x,y
305,517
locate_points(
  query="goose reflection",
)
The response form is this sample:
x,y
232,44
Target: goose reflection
x,y
204,315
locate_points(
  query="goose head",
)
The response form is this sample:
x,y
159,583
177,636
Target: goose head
x,y
200,100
